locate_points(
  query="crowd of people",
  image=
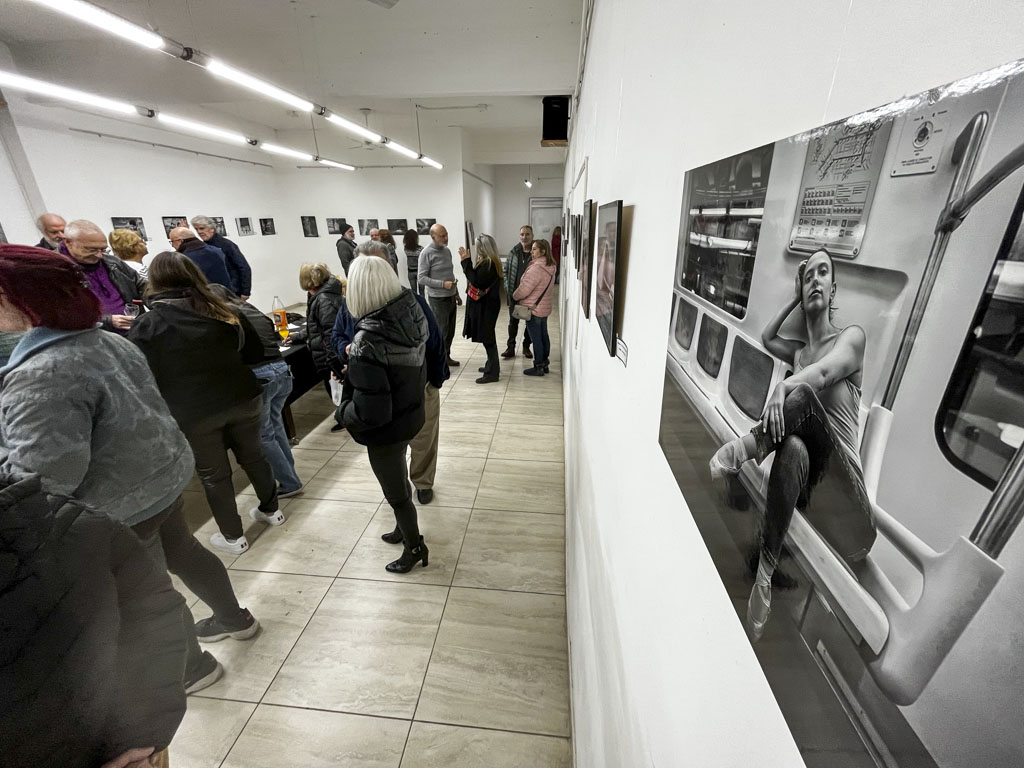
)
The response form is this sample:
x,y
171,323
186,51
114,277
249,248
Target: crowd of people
x,y
125,374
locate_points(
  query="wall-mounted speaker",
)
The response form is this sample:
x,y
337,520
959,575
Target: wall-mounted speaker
x,y
556,122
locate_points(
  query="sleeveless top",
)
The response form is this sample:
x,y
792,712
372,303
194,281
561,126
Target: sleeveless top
x,y
841,402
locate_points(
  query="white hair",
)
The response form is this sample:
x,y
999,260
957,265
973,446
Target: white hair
x,y
81,227
205,222
372,248
39,221
372,283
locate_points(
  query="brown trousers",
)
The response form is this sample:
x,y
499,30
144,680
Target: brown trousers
x,y
423,447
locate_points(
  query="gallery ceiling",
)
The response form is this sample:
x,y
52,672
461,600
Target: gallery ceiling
x,y
482,64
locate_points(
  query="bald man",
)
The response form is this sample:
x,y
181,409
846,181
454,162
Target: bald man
x,y
436,275
51,226
208,258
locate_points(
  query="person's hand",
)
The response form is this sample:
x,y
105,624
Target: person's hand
x,y
448,284
348,349
772,418
244,298
344,370
458,300
287,342
463,253
121,322
798,296
133,758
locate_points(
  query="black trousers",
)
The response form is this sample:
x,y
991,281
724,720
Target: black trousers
x,y
513,332
493,365
392,472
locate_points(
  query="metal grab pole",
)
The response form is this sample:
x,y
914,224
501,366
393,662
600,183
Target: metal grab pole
x,y
1004,512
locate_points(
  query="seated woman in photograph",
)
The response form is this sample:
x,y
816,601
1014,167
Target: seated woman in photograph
x,y
382,404
129,248
484,277
811,424
324,295
200,350
534,291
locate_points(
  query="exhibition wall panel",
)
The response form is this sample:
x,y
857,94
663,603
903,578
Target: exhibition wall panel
x,y
651,624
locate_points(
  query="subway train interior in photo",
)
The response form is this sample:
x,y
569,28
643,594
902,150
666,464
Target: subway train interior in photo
x,y
917,656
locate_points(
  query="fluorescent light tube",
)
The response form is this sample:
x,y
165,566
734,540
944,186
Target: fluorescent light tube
x,y
402,150
285,151
336,165
432,163
237,76
108,22
207,130
11,80
355,128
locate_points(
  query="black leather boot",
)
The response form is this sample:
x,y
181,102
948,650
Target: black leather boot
x,y
394,537
409,558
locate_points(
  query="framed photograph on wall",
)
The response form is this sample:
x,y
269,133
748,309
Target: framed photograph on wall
x,y
134,223
586,258
244,226
267,227
336,226
170,222
309,228
398,226
423,226
219,226
605,261
365,225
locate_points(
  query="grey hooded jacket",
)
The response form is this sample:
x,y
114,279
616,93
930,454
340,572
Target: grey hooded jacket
x,y
81,409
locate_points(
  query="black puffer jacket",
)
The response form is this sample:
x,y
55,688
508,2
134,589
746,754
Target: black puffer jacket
x,y
321,312
382,400
92,649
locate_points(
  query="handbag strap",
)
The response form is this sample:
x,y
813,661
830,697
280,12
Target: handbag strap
x,y
541,297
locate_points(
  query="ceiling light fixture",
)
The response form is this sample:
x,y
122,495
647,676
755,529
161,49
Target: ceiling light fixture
x,y
11,80
355,128
336,165
206,130
402,150
106,21
237,76
529,173
432,163
275,149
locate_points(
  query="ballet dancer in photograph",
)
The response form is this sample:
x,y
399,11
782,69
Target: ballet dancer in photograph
x,y
810,423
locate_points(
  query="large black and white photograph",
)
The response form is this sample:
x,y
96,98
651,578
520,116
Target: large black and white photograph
x,y
219,226
844,415
580,222
309,228
267,227
366,225
398,226
170,222
134,223
606,261
423,226
336,226
244,226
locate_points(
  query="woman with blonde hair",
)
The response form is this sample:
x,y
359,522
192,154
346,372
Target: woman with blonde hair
x,y
200,352
484,277
382,403
324,296
129,248
535,292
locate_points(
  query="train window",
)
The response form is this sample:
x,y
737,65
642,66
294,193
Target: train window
x,y
711,345
980,424
719,228
686,322
750,375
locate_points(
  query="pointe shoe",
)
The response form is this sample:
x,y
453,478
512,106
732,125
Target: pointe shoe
x,y
409,558
759,606
727,460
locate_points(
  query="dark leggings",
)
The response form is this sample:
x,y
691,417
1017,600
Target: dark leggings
x,y
389,466
493,366
810,458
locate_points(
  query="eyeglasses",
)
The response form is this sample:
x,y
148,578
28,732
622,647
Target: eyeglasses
x,y
93,249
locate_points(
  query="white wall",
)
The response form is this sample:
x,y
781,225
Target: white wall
x,y
662,672
512,198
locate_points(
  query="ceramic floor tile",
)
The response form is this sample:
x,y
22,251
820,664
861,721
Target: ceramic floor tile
x,y
459,438
519,551
283,604
319,436
528,442
472,410
250,528
517,410
209,729
449,746
346,477
314,402
456,481
364,651
525,486
315,539
467,387
500,661
442,528
307,463
283,737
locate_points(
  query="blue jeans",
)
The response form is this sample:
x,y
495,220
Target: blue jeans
x,y
537,327
277,385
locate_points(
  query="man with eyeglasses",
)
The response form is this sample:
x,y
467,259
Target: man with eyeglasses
x,y
113,282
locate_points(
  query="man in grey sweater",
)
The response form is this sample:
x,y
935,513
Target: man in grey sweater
x,y
436,275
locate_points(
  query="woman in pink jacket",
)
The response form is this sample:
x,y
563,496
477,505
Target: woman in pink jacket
x,y
534,291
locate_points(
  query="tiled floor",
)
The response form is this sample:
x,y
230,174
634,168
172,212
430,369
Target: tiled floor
x,y
462,663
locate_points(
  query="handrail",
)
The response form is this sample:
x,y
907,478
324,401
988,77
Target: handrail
x,y
1004,512
956,211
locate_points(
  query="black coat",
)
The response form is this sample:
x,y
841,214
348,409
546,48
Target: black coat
x,y
200,364
321,312
126,280
482,314
238,268
382,400
346,252
92,648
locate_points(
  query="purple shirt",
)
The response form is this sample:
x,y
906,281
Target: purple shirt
x,y
111,302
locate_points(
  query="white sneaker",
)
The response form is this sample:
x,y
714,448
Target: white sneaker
x,y
274,518
221,542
